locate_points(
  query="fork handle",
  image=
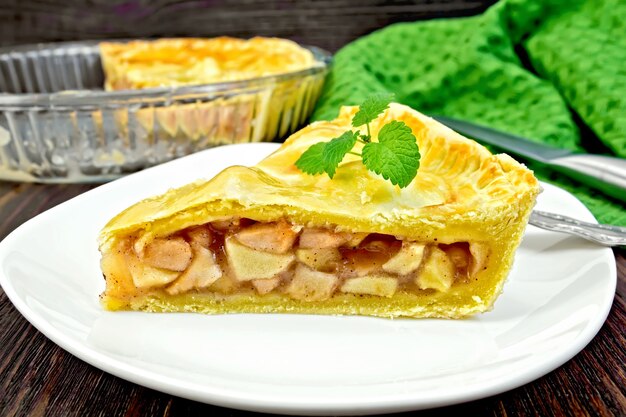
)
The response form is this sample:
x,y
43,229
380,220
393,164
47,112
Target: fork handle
x,y
604,234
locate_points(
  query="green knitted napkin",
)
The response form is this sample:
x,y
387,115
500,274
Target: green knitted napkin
x,y
528,67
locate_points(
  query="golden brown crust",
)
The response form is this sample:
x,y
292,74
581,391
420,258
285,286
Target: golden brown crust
x,y
458,182
173,62
461,193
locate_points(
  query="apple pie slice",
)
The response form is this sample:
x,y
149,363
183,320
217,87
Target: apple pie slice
x,y
270,238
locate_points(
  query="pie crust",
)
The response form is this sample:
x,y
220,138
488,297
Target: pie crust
x,y
183,61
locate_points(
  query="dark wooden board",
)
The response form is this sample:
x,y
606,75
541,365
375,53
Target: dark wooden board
x,y
40,379
324,23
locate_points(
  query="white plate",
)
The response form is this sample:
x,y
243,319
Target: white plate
x,y
557,297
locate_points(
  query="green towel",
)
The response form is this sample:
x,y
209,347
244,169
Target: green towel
x,y
551,71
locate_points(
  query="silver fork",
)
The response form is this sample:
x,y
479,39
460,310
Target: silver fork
x,y
604,234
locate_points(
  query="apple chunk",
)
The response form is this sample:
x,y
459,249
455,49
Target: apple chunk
x,y
321,238
407,260
382,285
362,262
145,276
249,264
438,272
311,285
116,271
226,284
356,239
202,272
480,254
320,259
269,237
459,254
264,286
172,253
200,235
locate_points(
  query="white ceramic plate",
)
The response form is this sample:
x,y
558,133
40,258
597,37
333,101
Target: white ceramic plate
x,y
557,297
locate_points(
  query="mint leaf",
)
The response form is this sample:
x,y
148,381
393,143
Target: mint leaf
x,y
395,156
336,149
326,156
371,108
312,161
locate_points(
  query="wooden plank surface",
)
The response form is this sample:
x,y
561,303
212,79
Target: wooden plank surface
x,y
40,379
325,23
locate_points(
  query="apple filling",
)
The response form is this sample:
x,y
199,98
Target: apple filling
x,y
303,263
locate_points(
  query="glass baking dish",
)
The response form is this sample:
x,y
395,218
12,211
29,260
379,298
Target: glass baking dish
x,y
58,125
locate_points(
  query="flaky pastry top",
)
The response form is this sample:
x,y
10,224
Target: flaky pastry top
x,y
459,183
182,61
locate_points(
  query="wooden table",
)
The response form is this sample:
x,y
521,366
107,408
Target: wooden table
x,y
39,378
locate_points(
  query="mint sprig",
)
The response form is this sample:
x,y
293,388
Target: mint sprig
x,y
395,156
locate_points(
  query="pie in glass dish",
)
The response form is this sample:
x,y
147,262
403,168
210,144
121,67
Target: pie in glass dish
x,y
270,238
248,90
